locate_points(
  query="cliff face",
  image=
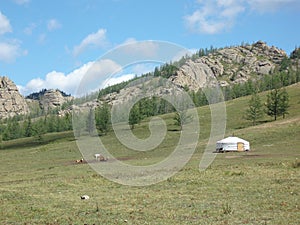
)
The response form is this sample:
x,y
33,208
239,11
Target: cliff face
x,y
48,99
12,103
52,99
228,66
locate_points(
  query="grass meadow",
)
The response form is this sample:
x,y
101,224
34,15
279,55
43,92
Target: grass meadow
x,y
41,183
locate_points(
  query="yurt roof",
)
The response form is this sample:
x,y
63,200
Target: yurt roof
x,y
232,140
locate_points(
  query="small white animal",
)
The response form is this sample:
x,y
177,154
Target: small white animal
x,y
98,156
85,197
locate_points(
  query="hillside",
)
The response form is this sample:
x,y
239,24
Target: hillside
x,y
257,187
227,67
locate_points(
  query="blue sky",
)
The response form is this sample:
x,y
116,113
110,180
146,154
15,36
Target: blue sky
x,y
51,44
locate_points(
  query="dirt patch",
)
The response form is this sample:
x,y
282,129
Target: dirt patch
x,y
260,156
245,156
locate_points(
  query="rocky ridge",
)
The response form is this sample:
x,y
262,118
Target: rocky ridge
x,y
224,67
12,103
48,99
228,66
53,98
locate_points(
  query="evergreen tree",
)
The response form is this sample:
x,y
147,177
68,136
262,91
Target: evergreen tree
x,y
28,127
134,116
181,118
13,129
255,110
273,103
277,103
156,72
103,118
283,103
39,129
51,124
68,121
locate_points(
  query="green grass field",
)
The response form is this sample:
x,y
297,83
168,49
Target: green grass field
x,y
42,184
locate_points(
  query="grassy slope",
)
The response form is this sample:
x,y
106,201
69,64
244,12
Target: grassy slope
x,y
41,184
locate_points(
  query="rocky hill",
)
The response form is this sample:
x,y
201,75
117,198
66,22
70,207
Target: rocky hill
x,y
229,65
225,67
12,103
48,99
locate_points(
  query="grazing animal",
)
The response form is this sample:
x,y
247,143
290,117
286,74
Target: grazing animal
x,y
100,157
85,197
97,156
79,161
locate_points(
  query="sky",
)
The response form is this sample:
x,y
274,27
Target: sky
x,y
52,44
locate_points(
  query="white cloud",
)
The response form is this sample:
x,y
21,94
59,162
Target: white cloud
x,y
87,78
143,48
5,26
97,39
21,2
53,24
117,80
10,50
216,16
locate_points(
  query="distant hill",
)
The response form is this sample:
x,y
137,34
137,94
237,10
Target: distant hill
x,y
39,94
229,67
48,99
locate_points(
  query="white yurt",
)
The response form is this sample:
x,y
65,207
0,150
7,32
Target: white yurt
x,y
232,144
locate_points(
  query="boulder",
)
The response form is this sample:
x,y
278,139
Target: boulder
x,y
12,103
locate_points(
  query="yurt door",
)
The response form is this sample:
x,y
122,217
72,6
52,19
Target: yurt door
x,y
240,146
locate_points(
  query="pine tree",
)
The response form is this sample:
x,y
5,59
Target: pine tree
x,y
255,110
181,118
39,129
28,127
273,103
283,103
134,116
277,103
103,118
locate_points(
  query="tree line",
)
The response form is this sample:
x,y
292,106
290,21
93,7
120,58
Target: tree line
x,y
19,127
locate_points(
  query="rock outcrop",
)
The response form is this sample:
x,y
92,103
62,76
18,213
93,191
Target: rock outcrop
x,y
228,66
12,103
222,67
52,99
